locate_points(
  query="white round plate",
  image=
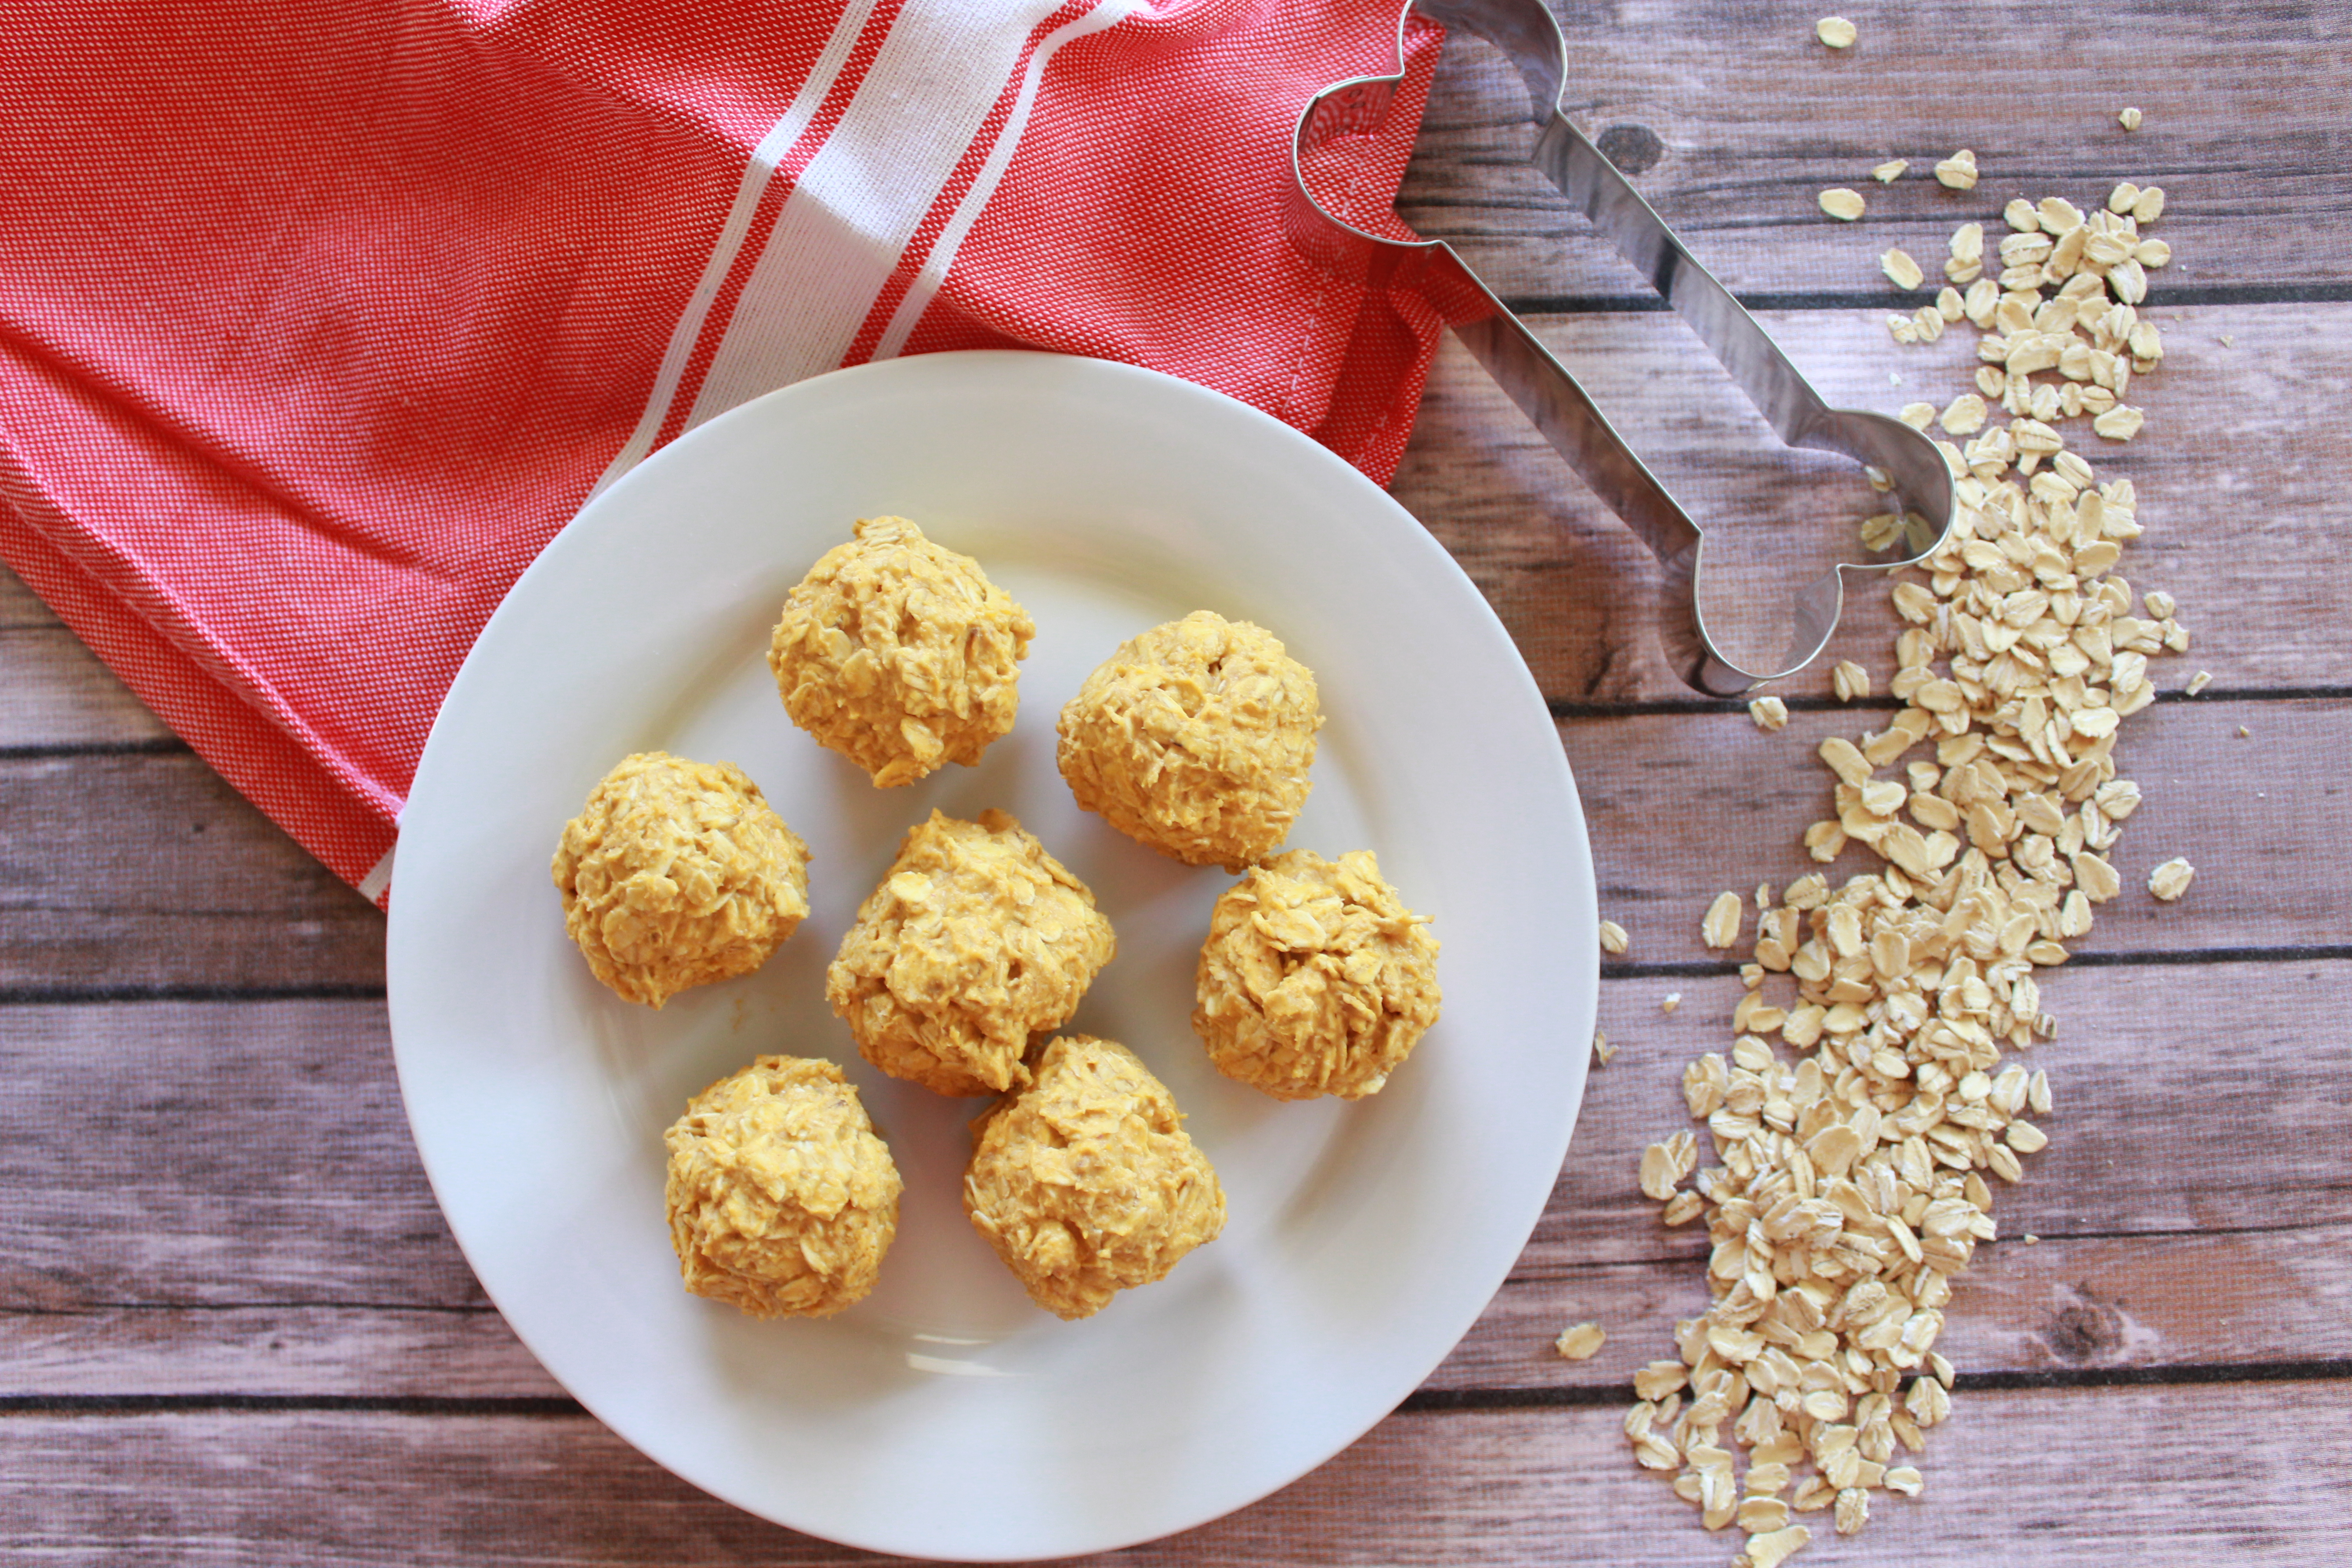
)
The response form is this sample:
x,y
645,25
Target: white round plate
x,y
945,1416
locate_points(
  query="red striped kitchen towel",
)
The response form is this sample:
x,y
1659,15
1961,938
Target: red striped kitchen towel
x,y
319,318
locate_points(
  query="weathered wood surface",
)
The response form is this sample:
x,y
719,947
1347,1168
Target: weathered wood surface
x,y
307,1221
2238,1474
299,1248
233,1327
1733,119
245,908
2238,480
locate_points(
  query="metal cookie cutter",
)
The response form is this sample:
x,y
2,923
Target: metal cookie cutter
x,y
1528,35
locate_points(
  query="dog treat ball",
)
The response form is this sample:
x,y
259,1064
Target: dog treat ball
x,y
899,654
1316,979
975,939
1085,1182
781,1200
1195,738
677,873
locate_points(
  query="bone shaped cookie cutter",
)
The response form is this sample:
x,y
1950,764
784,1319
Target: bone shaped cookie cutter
x,y
1528,35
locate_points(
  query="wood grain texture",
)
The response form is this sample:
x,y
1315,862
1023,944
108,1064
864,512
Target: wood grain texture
x,y
212,1154
82,909
2232,1473
285,1350
2158,1073
2237,499
124,870
299,1242
1736,118
2056,1309
58,692
2062,1309
1664,850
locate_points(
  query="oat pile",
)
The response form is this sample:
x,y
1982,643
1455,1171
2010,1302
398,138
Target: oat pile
x,y
1871,1103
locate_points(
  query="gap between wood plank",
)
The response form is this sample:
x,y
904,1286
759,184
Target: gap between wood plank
x,y
1428,1401
1711,969
1559,708
101,996
354,1404
1692,969
1525,1278
1879,299
1659,707
154,746
1562,1274
2197,1373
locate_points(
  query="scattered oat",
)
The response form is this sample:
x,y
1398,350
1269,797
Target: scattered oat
x,y
1850,681
1603,1053
1842,204
1900,269
2171,879
1672,1000
1835,31
1663,1165
1889,171
1580,1343
1872,1105
1769,713
2129,118
2120,423
1613,937
2244,733
1959,171
2198,682
2057,215
1964,260
1965,416
1721,927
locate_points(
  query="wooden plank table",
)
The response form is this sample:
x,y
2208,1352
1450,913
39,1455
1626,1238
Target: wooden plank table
x,y
236,1330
